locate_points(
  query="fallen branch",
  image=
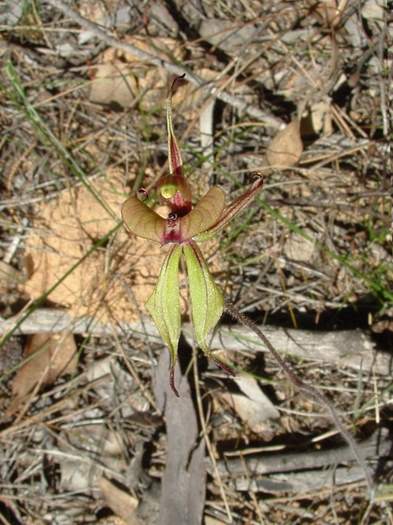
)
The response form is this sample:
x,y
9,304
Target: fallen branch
x,y
344,348
376,446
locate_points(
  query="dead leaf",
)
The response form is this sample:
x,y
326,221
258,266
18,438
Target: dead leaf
x,y
51,355
254,408
121,502
122,78
331,11
209,520
114,83
320,115
286,148
299,248
373,10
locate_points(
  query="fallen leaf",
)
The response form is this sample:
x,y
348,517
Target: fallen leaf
x,y
299,248
209,520
320,115
286,148
331,11
124,79
374,10
51,355
254,408
114,83
121,502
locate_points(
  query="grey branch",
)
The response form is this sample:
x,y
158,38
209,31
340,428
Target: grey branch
x,y
302,472
345,348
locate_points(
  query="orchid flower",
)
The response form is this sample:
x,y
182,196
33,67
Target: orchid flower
x,y
184,226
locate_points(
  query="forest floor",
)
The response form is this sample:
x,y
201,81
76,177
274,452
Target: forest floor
x,y
299,93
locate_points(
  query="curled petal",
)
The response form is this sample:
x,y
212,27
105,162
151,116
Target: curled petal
x,y
142,220
204,215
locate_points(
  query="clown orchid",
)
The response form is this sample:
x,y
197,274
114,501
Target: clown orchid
x,y
183,226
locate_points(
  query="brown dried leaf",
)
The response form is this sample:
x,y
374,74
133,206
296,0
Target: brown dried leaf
x,y
124,79
286,147
114,83
52,355
123,504
330,11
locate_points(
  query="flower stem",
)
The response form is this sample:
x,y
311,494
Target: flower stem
x,y
308,391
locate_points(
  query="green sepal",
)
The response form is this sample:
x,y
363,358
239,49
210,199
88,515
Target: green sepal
x,y
207,301
164,304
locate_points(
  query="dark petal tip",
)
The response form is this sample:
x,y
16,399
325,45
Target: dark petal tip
x,y
172,381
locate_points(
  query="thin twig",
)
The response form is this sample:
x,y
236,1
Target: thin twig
x,y
309,391
175,69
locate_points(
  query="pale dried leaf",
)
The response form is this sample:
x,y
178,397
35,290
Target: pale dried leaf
x,y
320,118
140,82
52,355
374,10
254,408
286,148
249,386
121,502
299,248
209,520
114,83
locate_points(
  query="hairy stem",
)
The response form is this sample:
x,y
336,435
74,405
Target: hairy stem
x,y
308,391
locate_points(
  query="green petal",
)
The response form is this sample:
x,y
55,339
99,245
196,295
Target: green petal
x,y
207,301
164,304
204,215
142,220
